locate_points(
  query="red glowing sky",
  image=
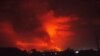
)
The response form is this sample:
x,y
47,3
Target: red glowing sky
x,y
45,25
42,30
51,35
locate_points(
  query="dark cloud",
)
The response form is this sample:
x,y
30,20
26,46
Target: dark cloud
x,y
85,9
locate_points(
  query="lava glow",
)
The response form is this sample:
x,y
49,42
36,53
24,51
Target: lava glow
x,y
33,24
57,29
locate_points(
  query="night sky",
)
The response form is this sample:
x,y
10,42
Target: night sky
x,y
20,12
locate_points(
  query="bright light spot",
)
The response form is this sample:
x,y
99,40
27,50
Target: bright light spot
x,y
55,53
76,52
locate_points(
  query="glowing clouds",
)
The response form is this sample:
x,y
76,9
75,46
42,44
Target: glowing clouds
x,y
53,32
52,35
36,27
58,28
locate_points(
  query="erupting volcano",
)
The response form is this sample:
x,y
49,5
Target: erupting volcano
x,y
51,35
35,26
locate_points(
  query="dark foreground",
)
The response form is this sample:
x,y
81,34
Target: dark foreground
x,y
68,52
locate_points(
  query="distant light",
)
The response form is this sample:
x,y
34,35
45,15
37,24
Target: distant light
x,y
76,52
55,53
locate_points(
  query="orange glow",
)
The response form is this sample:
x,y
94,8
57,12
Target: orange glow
x,y
35,24
40,46
51,29
52,34
58,30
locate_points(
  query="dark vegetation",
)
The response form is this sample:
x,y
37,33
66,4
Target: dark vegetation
x,y
68,52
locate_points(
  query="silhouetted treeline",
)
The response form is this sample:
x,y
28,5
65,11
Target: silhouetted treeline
x,y
68,52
